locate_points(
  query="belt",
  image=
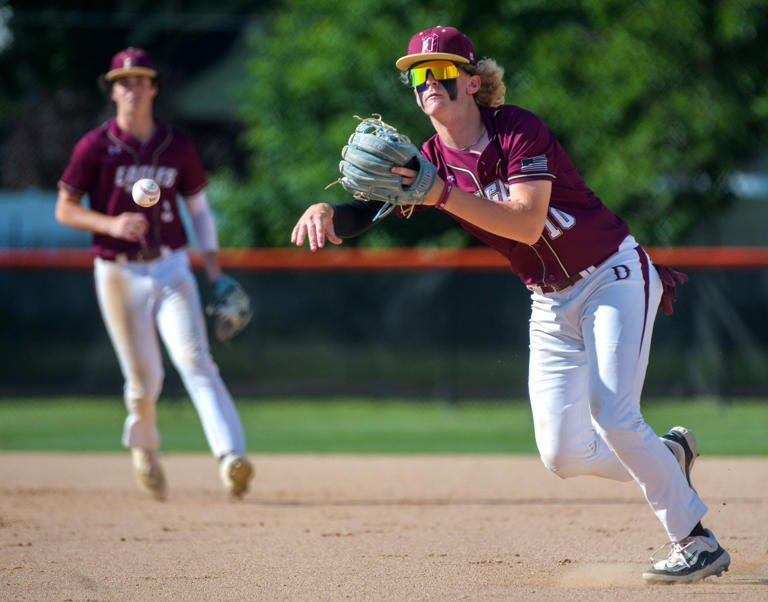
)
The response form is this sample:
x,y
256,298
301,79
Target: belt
x,y
142,255
559,287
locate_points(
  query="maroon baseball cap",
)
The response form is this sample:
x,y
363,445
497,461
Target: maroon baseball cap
x,y
131,61
438,43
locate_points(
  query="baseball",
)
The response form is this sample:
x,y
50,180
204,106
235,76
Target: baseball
x,y
146,192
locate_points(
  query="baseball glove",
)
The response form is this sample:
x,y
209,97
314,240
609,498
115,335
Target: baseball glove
x,y
230,308
374,148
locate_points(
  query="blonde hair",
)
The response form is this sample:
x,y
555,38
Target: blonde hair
x,y
492,88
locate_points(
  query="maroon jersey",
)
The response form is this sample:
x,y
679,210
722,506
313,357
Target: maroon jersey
x,y
107,161
579,232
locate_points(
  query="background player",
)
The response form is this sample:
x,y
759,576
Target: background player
x,y
144,283
594,290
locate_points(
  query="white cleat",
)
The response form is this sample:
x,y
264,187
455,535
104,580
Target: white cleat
x,y
149,473
235,472
691,560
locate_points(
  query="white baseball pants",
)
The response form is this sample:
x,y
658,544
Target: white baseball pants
x,y
589,352
139,299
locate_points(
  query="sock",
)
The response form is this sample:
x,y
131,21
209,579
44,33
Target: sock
x,y
697,531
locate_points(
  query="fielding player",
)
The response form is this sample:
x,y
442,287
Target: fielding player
x,y
594,291
143,278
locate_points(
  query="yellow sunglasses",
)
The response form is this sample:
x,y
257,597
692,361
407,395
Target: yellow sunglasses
x,y
439,69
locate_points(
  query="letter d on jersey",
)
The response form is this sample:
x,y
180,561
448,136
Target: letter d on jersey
x,y
621,271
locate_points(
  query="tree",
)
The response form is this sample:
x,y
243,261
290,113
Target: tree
x,y
52,52
657,102
317,65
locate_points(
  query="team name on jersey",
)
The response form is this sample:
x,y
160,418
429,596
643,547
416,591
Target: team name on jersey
x,y
496,191
127,175
557,221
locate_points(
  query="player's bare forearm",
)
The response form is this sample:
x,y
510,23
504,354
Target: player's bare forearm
x,y
127,226
70,212
520,218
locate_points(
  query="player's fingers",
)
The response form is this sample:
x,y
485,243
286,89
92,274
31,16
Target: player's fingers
x,y
314,225
330,233
126,227
408,175
142,227
322,231
297,237
139,230
316,234
302,234
136,224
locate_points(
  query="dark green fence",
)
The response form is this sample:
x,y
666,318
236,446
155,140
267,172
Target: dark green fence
x,y
432,334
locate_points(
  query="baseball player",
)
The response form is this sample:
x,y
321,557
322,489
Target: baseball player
x,y
503,176
143,278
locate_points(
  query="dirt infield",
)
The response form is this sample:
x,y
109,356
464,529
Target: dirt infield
x,y
74,527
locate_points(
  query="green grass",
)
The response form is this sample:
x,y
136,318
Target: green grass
x,y
358,426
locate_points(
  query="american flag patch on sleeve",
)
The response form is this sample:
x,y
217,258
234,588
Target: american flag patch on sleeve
x,y
532,164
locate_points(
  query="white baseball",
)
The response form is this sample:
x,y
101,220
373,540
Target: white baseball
x,y
146,192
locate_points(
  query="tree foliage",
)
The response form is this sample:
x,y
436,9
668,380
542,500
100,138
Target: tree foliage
x,y
51,53
317,65
657,102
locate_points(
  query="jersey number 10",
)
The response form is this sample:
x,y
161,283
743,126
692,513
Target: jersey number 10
x,y
557,222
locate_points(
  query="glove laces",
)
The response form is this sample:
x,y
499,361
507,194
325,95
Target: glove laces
x,y
376,124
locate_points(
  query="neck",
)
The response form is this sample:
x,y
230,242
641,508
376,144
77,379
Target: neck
x,y
140,127
461,131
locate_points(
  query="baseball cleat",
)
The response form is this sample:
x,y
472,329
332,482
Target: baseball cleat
x,y
682,444
691,560
235,472
149,473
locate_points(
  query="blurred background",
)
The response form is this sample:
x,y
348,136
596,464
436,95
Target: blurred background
x,y
662,105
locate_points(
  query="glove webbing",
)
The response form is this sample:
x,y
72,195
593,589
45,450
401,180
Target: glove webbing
x,y
377,123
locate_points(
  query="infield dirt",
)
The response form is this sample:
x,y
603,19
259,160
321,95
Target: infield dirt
x,y
75,527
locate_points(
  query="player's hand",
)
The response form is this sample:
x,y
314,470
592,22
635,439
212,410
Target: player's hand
x,y
130,226
409,176
316,224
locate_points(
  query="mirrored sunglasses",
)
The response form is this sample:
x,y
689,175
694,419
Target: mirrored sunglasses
x,y
439,69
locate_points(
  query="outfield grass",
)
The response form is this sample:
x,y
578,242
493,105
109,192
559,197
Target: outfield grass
x,y
358,426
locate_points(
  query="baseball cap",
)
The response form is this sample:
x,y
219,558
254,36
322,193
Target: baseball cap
x,y
436,43
131,61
